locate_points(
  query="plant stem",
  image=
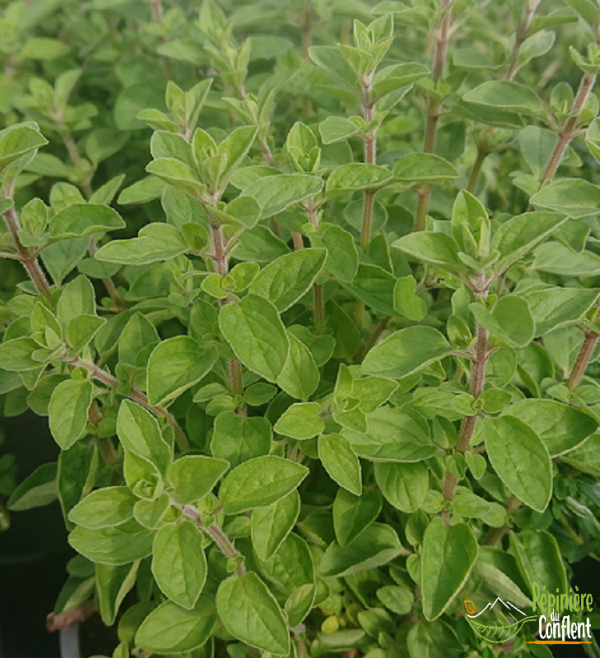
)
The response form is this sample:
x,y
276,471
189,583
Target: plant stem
x,y
370,158
217,535
583,358
369,203
481,156
433,108
521,35
567,132
307,38
135,395
478,364
379,329
564,138
26,256
511,71
108,282
219,256
74,154
158,14
318,305
106,446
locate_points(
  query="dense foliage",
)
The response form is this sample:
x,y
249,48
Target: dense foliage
x,y
323,373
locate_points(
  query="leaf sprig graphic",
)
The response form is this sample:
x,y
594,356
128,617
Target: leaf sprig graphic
x,y
497,631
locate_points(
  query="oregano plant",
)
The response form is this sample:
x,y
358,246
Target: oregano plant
x,y
309,295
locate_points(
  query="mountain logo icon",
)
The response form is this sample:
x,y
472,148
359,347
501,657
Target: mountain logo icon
x,y
501,623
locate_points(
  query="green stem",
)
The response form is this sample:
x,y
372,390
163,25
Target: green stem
x,y
219,256
217,535
583,359
433,109
135,395
478,364
26,256
473,178
569,128
318,303
520,36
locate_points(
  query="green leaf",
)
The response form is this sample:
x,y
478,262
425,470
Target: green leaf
x,y
16,354
539,560
251,614
561,427
499,571
300,375
175,365
405,352
336,129
270,525
340,462
289,277
392,436
586,458
138,431
417,168
342,255
301,421
444,545
299,604
520,459
194,476
139,332
237,438
68,411
256,334
179,564
506,95
553,307
291,566
406,302
260,482
436,249
357,176
119,545
112,586
275,194
178,174
572,196
510,319
171,629
36,490
376,546
374,286
403,485
588,10
77,298
470,225
352,515
235,147
397,76
433,640
143,191
155,243
81,330
241,212
557,258
18,140
397,599
84,219
104,508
